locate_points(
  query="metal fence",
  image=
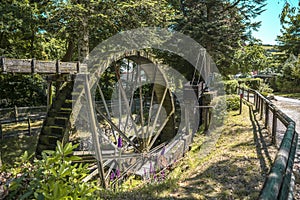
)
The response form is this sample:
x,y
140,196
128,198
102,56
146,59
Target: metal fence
x,y
282,128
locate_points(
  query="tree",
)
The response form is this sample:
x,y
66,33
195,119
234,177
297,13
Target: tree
x,y
249,58
289,40
220,26
22,34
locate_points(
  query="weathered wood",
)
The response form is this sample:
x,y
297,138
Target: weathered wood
x,y
16,113
278,182
274,126
266,115
9,65
274,180
29,126
94,132
33,63
261,108
3,65
1,133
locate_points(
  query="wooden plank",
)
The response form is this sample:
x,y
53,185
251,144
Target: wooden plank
x,y
9,65
46,67
18,66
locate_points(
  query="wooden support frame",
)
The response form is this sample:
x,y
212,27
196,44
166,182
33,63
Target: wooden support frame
x,y
95,137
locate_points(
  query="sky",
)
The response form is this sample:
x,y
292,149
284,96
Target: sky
x,y
270,26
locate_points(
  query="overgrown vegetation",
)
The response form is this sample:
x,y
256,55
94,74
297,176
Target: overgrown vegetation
x,y
234,168
52,177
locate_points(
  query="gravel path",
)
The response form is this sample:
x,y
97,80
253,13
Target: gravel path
x,y
291,107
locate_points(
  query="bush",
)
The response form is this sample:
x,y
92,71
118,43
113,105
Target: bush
x,y
53,177
252,83
233,102
265,89
231,86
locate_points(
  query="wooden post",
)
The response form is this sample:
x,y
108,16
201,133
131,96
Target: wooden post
x,y
248,96
3,66
1,133
95,137
261,108
274,126
49,94
16,113
266,115
206,119
33,66
241,102
187,120
29,126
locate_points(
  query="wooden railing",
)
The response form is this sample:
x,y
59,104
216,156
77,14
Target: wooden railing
x,y
20,115
278,183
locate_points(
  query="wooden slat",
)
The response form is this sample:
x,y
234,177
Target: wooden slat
x,y
8,65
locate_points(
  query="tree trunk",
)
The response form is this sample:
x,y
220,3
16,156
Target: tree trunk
x,y
70,51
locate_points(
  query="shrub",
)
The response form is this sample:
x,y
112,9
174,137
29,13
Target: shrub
x,y
252,83
231,86
233,102
53,177
265,89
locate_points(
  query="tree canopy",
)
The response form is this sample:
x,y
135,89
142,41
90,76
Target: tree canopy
x,y
289,40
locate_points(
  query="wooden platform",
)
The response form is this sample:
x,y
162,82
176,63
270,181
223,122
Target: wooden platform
x,y
32,66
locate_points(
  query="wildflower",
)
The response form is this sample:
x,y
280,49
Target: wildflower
x,y
112,176
120,142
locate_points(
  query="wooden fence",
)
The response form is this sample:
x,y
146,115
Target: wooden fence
x,y
278,184
21,115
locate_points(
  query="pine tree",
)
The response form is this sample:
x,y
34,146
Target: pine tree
x,y
289,40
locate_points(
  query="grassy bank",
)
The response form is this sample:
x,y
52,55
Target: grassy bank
x,y
234,168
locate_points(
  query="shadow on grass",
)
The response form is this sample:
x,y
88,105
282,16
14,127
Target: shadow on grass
x,y
13,147
260,142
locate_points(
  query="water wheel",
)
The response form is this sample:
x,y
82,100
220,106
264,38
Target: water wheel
x,y
137,120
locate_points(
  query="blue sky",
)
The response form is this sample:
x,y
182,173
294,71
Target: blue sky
x,y
271,26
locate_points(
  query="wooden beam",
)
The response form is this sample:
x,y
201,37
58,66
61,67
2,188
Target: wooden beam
x,y
31,66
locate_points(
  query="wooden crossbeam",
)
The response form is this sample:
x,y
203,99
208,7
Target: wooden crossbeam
x,y
32,66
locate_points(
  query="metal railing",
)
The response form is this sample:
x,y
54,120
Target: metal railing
x,y
278,183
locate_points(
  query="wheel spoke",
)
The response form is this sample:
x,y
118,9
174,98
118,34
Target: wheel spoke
x,y
106,108
157,115
118,130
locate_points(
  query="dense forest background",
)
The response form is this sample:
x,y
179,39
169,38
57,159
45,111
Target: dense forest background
x,y
68,30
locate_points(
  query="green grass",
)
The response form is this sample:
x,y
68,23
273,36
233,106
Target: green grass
x,y
234,168
12,148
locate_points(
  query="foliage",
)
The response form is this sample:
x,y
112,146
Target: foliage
x,y
252,83
22,90
289,40
265,89
231,86
289,78
52,177
219,26
233,102
249,58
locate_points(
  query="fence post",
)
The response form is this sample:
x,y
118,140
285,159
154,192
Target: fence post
x,y
29,126
248,95
16,113
206,119
274,126
256,101
266,114
1,133
261,108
